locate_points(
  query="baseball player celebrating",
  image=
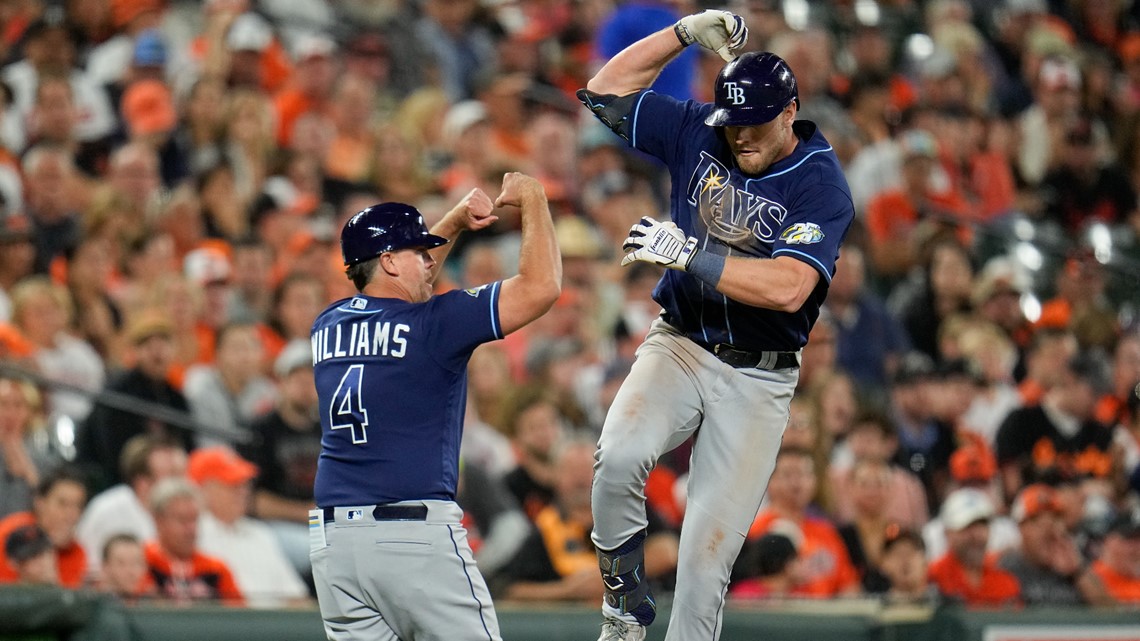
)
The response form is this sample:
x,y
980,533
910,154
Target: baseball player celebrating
x,y
759,209
390,559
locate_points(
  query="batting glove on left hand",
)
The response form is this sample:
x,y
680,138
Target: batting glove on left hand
x,y
659,243
720,31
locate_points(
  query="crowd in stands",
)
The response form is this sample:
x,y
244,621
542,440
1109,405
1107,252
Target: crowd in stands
x,y
174,175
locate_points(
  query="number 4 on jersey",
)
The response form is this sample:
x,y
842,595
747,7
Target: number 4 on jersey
x,y
346,410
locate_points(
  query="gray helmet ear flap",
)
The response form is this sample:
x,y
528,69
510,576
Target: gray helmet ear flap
x,y
383,228
752,90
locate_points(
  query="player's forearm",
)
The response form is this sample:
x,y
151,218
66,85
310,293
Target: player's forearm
x,y
638,65
780,283
538,284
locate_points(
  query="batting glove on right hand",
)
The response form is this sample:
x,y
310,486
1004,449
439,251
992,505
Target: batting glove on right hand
x,y
659,243
720,31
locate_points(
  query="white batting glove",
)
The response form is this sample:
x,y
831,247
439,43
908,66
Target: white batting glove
x,y
659,243
720,31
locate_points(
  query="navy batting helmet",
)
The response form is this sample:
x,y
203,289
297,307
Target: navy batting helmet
x,y
384,228
752,90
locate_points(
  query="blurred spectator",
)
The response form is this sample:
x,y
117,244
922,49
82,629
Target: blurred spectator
x,y
43,312
904,567
17,258
310,92
49,47
827,569
296,302
252,284
946,291
23,462
1081,189
1003,534
49,174
124,508
1047,565
30,553
864,533
285,446
1114,407
1126,436
966,572
869,341
124,571
181,573
996,297
990,355
488,386
495,524
108,428
248,547
458,44
874,438
108,61
1119,565
98,318
55,510
535,426
1045,361
925,444
1056,94
350,154
899,219
777,570
1060,436
152,120
234,392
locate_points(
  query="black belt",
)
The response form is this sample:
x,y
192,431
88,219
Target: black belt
x,y
742,359
388,513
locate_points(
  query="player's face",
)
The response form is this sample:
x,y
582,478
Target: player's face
x,y
758,146
414,267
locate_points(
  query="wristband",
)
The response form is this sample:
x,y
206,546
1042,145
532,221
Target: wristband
x,y
683,35
707,266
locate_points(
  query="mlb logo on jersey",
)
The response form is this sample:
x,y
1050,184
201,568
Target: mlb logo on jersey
x,y
358,303
355,515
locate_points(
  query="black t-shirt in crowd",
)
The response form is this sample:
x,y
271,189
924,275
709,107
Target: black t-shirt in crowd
x,y
286,457
1029,438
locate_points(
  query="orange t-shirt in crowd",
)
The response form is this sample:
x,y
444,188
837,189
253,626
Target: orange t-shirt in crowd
x,y
892,215
997,586
1122,588
201,578
566,542
71,560
827,570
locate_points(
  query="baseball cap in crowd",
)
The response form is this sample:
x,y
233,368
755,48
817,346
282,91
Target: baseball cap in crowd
x,y
1126,524
1033,500
313,45
460,117
917,143
148,324
973,463
207,266
296,354
249,32
15,228
914,367
219,463
150,50
964,507
1059,73
148,108
999,276
896,534
773,554
26,543
577,238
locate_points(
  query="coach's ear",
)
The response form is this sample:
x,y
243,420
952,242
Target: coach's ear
x,y
388,264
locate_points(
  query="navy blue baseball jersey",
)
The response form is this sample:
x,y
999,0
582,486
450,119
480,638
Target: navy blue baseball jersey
x,y
799,207
391,377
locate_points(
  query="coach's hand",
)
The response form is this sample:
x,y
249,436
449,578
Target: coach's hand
x,y
659,243
474,211
720,31
518,188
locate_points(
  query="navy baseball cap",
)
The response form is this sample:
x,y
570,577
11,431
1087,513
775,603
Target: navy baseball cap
x,y
383,228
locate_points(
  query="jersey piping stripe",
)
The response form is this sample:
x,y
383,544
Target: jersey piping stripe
x,y
795,166
633,127
470,583
822,269
495,329
346,308
724,300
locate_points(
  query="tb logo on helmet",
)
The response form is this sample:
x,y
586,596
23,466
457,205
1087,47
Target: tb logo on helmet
x,y
734,93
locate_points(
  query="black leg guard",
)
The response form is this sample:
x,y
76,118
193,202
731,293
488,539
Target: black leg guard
x,y
623,574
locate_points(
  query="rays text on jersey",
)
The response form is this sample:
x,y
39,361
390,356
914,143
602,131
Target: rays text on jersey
x,y
730,213
360,339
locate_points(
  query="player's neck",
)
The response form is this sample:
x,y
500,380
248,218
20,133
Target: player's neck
x,y
386,288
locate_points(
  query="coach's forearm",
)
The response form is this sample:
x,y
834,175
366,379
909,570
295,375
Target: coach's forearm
x,y
782,283
450,226
638,65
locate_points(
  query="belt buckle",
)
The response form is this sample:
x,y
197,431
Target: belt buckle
x,y
716,349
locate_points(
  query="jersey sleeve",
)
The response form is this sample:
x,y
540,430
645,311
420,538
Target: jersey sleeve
x,y
663,126
815,226
460,320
